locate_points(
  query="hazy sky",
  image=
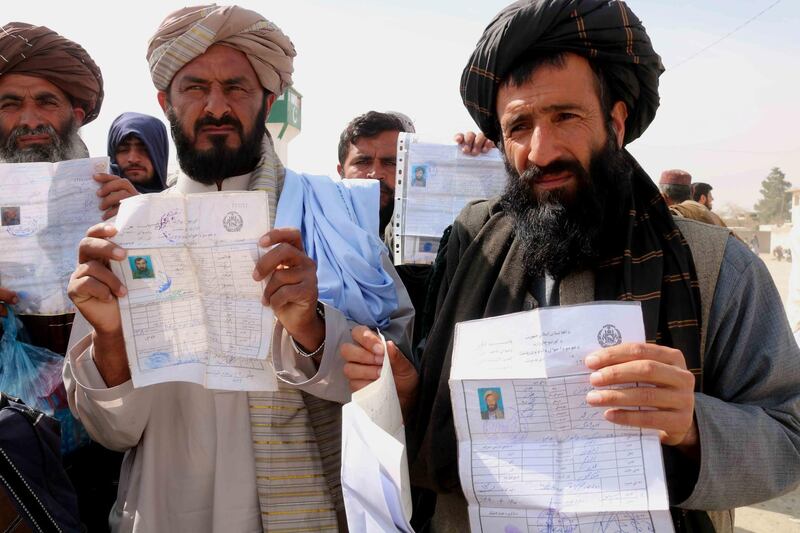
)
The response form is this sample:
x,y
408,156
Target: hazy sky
x,y
727,116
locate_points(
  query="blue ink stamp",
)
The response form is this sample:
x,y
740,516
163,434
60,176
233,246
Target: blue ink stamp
x,y
157,360
164,283
23,228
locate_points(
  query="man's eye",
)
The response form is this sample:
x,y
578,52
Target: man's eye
x,y
8,106
561,117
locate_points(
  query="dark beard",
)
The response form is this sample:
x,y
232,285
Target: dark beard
x,y
64,144
560,231
386,211
219,162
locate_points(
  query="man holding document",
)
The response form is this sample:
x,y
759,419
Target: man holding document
x,y
562,87
49,88
222,460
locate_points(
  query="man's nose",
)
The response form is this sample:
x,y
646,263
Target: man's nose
x,y
134,155
217,103
545,146
30,116
377,172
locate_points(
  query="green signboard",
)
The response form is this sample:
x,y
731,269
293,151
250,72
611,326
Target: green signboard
x,y
286,110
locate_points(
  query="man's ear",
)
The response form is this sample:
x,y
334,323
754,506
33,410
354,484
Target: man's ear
x,y
340,170
79,114
162,101
268,101
619,114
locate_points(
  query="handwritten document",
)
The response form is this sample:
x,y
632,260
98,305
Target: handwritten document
x,y
375,480
193,312
433,184
533,455
45,210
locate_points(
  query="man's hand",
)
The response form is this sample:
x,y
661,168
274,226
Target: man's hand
x,y
363,362
668,401
472,143
8,296
94,289
112,191
292,288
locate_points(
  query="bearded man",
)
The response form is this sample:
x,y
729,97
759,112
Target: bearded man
x,y
220,461
562,87
49,88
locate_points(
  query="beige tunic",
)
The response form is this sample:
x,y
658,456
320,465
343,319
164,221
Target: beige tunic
x,y
189,465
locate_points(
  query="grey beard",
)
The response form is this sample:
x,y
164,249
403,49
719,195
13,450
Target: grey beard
x,y
61,148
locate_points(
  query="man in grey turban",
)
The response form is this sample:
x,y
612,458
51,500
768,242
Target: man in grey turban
x,y
201,460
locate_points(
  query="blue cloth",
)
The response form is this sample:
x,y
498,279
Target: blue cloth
x,y
338,220
152,132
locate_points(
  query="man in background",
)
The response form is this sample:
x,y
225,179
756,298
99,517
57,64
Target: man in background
x,y
701,193
675,186
368,150
139,150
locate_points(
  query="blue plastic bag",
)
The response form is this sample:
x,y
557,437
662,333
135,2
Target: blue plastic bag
x,y
34,375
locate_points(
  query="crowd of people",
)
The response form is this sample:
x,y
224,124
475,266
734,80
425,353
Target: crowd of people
x,y
560,88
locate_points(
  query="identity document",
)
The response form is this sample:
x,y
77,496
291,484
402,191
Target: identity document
x,y
193,311
45,210
433,184
533,456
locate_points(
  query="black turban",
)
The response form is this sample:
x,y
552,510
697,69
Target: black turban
x,y
605,31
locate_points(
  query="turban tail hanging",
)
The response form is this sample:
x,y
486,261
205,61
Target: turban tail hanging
x,y
41,52
604,31
188,32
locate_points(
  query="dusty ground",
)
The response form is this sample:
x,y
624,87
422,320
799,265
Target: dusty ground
x,y
781,515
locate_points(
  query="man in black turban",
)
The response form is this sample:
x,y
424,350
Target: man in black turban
x,y
561,86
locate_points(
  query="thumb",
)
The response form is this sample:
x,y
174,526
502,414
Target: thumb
x,y
399,361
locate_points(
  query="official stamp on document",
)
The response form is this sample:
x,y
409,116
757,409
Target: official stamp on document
x,y
608,336
233,221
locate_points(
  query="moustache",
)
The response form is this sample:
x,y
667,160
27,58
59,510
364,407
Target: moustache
x,y
225,120
22,131
385,188
133,167
536,173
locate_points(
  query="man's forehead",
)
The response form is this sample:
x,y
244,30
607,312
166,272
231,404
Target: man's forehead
x,y
381,144
218,62
20,84
131,139
573,83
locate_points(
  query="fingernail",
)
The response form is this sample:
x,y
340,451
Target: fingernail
x,y
119,253
378,360
377,349
595,376
591,360
108,227
122,290
264,241
593,397
256,275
